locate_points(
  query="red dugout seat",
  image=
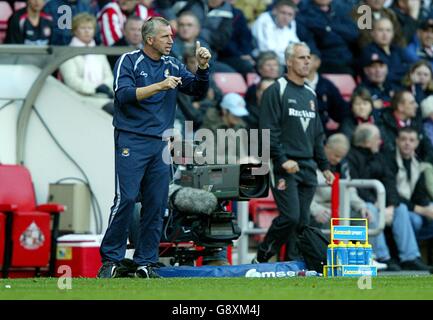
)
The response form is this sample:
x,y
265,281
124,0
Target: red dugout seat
x,y
262,212
29,230
252,78
344,82
230,82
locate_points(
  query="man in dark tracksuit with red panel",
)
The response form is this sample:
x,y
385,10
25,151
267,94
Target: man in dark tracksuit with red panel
x,y
145,85
289,110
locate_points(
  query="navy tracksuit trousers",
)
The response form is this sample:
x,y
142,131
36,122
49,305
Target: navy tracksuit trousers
x,y
139,169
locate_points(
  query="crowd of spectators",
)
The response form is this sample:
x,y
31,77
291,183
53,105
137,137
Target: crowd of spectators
x,y
384,132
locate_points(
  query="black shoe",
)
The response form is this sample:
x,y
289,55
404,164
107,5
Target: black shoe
x,y
255,261
108,270
415,265
126,268
146,272
391,265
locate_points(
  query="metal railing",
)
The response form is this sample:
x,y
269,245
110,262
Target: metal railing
x,y
344,185
57,55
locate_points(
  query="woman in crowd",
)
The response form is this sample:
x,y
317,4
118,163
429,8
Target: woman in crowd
x,y
87,74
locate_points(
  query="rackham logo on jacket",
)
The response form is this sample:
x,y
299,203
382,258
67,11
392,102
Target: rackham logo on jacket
x,y
303,115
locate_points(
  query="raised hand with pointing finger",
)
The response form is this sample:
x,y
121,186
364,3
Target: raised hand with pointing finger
x,y
203,56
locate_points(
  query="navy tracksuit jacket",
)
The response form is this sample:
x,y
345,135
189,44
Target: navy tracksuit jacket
x,y
140,129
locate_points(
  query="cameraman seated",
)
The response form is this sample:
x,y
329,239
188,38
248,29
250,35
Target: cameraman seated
x,y
228,115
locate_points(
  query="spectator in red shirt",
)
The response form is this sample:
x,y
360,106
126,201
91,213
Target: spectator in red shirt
x,y
112,18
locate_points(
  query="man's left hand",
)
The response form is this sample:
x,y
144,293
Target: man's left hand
x,y
329,176
203,56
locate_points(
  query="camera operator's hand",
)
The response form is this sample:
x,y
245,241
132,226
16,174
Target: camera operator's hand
x,y
170,82
103,88
290,166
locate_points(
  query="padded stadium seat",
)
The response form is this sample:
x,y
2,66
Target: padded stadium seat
x,y
5,13
230,82
29,231
262,212
252,78
344,82
19,5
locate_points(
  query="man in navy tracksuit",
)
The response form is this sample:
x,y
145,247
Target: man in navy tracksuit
x,y
145,85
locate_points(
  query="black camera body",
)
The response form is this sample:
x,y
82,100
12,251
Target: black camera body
x,y
214,227
226,182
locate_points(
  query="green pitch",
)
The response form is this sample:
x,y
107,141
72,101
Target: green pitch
x,y
415,287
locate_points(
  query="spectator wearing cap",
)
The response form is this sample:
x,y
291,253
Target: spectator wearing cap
x,y
274,30
230,113
419,80
332,107
394,56
422,45
375,72
29,25
334,33
403,113
427,115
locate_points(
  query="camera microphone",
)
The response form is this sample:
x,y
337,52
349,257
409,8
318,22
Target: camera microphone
x,y
192,200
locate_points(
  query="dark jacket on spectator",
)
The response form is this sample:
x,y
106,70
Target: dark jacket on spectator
x,y
389,131
416,52
112,59
333,32
408,24
62,37
363,164
377,92
21,31
349,124
330,102
365,35
398,61
216,24
241,42
420,194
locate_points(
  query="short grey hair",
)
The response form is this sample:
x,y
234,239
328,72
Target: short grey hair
x,y
149,27
290,50
338,140
363,133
